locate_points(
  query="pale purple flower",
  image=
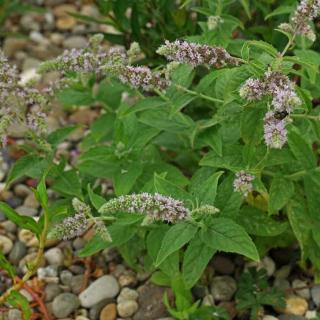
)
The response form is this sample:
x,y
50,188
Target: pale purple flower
x,y
275,132
155,206
243,182
252,89
196,54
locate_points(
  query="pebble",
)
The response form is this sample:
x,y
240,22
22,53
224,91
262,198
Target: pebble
x,y
315,294
27,211
127,308
77,42
55,257
66,277
22,190
127,294
29,23
281,284
51,291
49,274
269,265
268,317
6,244
14,202
296,305
14,314
290,317
311,314
102,288
127,280
9,226
83,116
65,22
78,243
303,293
208,300
223,265
38,37
283,272
27,237
64,304
76,283
223,288
109,312
27,259
12,45
95,311
18,251
31,201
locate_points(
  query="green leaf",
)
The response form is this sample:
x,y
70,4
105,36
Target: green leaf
x,y
96,200
23,222
68,183
17,300
281,190
265,46
168,188
73,97
175,238
280,11
312,187
302,150
246,6
204,187
258,223
196,259
125,178
22,167
6,265
224,234
41,192
59,135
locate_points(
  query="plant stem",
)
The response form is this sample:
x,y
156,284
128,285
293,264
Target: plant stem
x,y
306,116
35,265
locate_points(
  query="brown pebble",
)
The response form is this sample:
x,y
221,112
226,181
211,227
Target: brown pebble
x,y
296,306
66,22
109,312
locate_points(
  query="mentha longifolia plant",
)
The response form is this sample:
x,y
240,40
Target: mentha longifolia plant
x,y
216,150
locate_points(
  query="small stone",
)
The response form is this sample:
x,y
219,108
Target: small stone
x,y
14,314
26,211
299,284
55,257
223,265
66,277
268,317
83,116
90,10
127,280
76,283
31,201
208,300
22,190
109,312
82,318
49,274
12,45
28,238
230,307
38,37
283,272
63,10
5,244
51,291
311,314
127,294
127,308
77,42
296,305
14,202
19,250
64,304
315,294
9,226
29,22
95,310
78,243
65,22
281,284
291,317
199,291
102,288
223,288
29,258
269,265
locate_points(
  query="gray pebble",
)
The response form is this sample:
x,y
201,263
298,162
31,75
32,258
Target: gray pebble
x,y
94,311
51,291
127,308
223,288
77,42
64,304
19,250
76,283
55,257
315,294
27,211
14,314
6,244
127,294
14,202
281,284
303,293
66,277
102,288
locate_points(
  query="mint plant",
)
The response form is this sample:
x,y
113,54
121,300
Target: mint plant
x,y
216,150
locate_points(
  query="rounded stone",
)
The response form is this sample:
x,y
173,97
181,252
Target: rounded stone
x,y
55,257
127,308
51,291
296,306
19,250
223,265
66,277
64,304
223,288
6,244
102,288
315,293
109,312
302,289
127,294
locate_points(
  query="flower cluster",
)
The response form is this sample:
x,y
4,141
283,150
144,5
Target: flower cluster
x,y
74,226
196,54
284,100
17,100
155,206
243,182
306,11
205,210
